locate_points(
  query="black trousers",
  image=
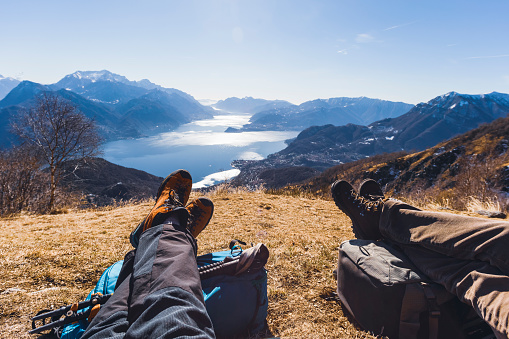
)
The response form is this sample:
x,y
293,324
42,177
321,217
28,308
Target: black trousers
x,y
159,292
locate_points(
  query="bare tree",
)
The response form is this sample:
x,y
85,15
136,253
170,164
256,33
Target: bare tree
x,y
60,132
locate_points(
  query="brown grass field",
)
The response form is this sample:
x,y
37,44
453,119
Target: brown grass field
x,y
52,260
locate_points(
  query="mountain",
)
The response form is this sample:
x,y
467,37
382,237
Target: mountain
x,y
249,105
103,183
6,85
335,111
153,111
121,108
23,93
92,84
116,90
425,125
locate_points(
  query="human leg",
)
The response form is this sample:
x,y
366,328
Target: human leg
x,y
160,295
166,298
468,256
474,282
457,236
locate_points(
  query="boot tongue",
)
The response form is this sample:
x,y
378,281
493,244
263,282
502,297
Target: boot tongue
x,y
178,217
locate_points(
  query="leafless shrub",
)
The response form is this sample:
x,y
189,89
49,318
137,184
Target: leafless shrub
x,y
22,184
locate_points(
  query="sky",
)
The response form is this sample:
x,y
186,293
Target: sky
x,y
410,51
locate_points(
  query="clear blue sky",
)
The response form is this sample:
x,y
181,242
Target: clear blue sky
x,y
296,50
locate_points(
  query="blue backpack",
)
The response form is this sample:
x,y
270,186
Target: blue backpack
x,y
237,305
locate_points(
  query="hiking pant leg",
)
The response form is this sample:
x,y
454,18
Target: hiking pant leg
x,y
162,295
166,299
111,320
474,282
454,235
465,255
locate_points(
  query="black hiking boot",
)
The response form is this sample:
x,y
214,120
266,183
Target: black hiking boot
x,y
365,213
172,195
200,211
371,190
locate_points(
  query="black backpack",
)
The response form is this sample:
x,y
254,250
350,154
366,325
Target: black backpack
x,y
387,295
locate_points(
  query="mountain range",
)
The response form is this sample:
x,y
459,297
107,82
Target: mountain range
x,y
335,111
465,166
121,108
425,125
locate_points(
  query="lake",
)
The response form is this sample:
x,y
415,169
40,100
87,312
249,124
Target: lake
x,y
201,147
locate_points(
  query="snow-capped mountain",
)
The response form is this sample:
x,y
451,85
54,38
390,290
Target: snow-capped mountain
x,y
6,85
121,108
94,84
443,117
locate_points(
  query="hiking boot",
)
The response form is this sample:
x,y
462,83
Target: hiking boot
x,y
371,190
173,193
200,211
365,213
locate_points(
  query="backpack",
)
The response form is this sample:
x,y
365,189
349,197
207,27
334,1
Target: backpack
x,y
237,305
387,295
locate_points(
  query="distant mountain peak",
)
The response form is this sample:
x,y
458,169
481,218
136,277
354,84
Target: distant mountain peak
x,y
449,94
9,79
451,98
93,76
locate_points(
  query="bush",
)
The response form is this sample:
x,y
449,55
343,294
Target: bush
x,y
24,186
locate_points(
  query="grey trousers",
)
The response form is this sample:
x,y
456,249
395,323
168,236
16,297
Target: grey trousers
x,y
468,256
160,293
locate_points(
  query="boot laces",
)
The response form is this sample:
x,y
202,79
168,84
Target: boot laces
x,y
172,201
368,205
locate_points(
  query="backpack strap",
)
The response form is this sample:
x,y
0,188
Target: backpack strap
x,y
418,298
412,305
433,310
259,300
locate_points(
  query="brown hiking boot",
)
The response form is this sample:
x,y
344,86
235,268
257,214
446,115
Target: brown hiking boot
x,y
200,211
371,190
173,193
365,214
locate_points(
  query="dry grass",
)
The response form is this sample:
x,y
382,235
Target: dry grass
x,y
490,204
51,260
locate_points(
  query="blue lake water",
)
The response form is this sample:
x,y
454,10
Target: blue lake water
x,y
201,147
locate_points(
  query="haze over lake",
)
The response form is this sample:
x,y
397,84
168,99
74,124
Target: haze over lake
x,y
201,147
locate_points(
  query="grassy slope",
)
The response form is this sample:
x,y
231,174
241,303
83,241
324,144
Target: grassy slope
x,y
56,259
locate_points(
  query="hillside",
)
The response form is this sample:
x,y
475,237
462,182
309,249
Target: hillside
x,y
52,260
474,164
104,183
321,147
